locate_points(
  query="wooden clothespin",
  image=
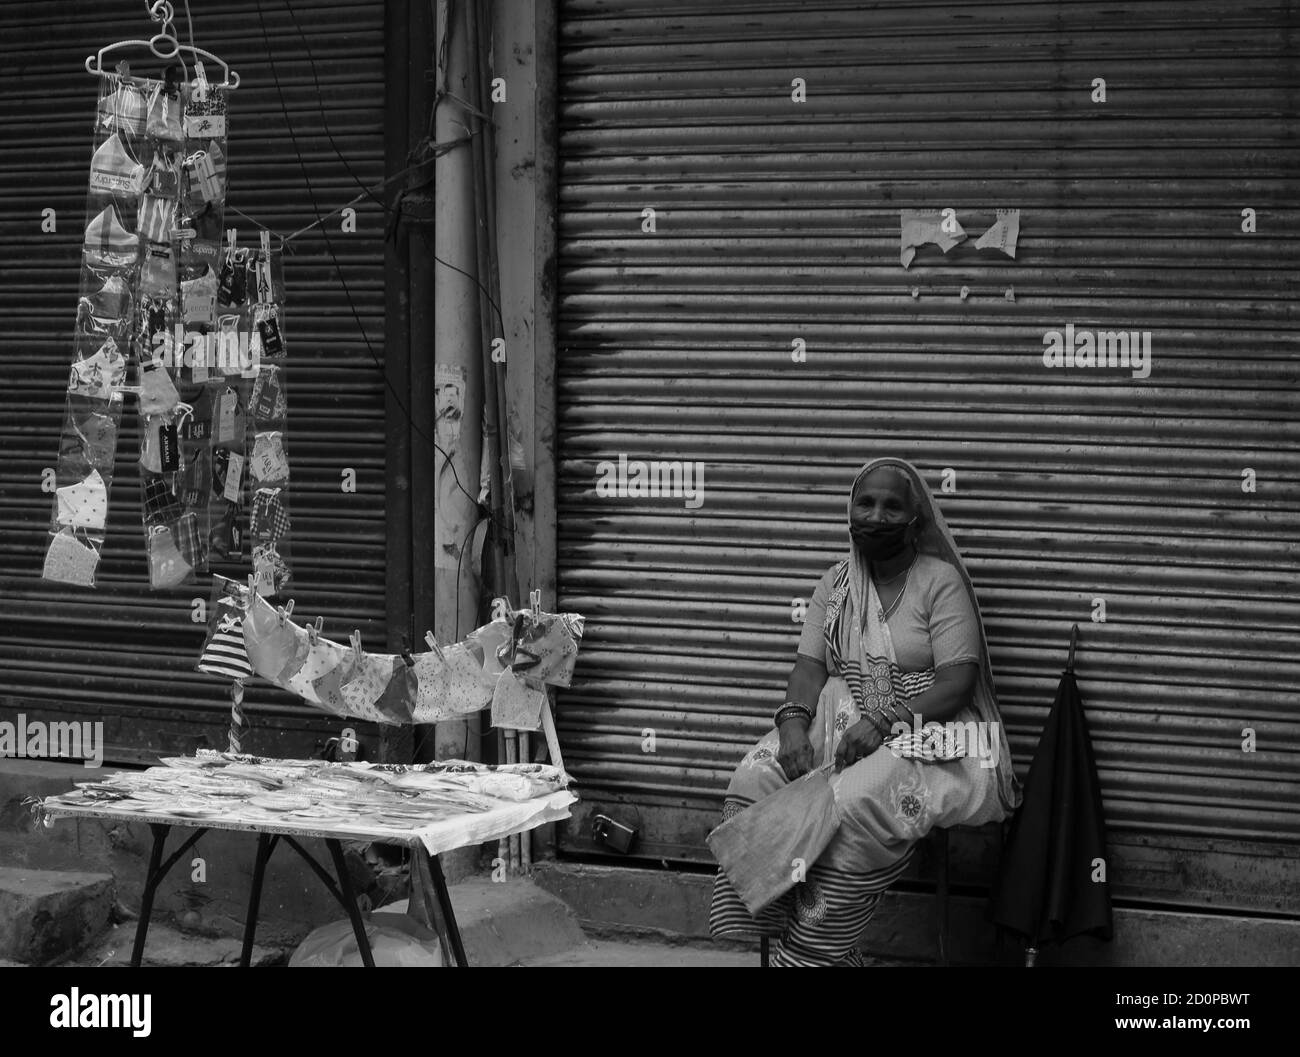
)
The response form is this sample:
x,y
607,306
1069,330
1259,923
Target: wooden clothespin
x,y
535,600
356,645
313,630
285,612
433,645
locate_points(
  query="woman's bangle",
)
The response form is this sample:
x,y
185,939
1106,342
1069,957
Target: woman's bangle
x,y
791,710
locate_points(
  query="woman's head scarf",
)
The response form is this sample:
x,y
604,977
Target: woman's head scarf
x,y
935,538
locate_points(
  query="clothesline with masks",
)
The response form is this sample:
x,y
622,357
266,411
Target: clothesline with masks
x,y
508,665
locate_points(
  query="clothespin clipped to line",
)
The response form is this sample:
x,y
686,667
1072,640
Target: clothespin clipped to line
x,y
232,238
433,645
535,600
201,82
252,592
284,612
313,630
355,639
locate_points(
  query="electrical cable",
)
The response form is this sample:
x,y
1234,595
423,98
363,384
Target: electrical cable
x,y
329,249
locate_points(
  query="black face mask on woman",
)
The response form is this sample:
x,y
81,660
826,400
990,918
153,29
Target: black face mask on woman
x,y
881,542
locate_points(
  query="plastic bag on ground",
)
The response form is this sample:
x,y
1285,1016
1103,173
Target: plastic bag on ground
x,y
397,942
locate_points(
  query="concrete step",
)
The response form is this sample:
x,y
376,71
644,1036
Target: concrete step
x,y
622,954
45,915
505,923
173,949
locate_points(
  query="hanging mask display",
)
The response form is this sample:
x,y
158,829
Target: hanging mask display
x,y
153,151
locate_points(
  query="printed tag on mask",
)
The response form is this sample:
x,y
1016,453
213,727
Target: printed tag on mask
x,y
205,126
169,449
269,329
234,279
205,173
234,471
227,407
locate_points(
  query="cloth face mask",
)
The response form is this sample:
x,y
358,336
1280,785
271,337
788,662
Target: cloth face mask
x,y
98,376
270,520
108,244
224,653
84,504
167,566
70,561
160,503
270,645
123,110
111,304
268,396
366,685
163,121
114,171
321,659
269,463
158,395
270,569
199,298
98,434
158,271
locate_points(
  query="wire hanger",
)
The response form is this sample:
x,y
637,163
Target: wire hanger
x,y
164,45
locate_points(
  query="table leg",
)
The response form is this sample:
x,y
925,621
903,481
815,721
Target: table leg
x,y
350,902
448,915
152,878
265,845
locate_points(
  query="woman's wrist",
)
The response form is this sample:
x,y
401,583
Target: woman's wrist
x,y
792,710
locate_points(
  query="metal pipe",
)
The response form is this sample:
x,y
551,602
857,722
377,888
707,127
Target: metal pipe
x,y
457,364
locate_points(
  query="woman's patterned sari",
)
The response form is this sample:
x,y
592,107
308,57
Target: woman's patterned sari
x,y
887,801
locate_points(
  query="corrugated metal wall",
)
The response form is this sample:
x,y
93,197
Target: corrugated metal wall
x,y
306,129
779,220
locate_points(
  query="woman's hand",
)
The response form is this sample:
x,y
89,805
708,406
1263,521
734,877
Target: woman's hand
x,y
795,753
859,742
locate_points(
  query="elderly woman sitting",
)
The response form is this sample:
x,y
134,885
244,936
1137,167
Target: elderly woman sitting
x,y
892,640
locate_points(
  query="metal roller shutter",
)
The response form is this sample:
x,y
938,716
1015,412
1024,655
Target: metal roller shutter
x,y
777,220
121,652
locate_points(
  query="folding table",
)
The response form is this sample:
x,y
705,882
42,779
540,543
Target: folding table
x,y
426,843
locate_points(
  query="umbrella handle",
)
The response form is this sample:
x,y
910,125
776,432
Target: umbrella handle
x,y
1074,641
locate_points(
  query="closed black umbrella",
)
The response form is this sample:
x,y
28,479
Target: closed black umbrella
x,y
1046,888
